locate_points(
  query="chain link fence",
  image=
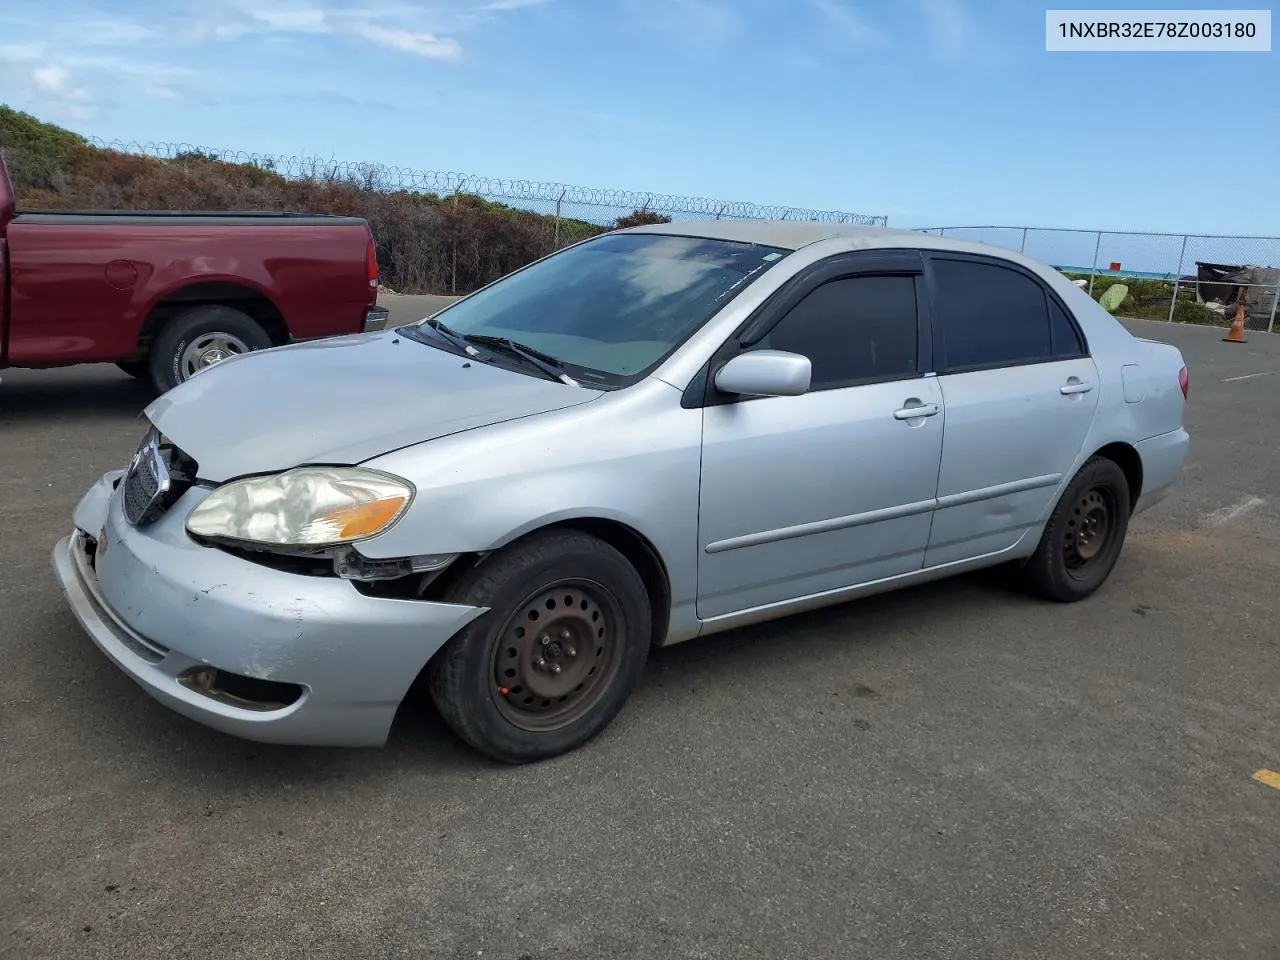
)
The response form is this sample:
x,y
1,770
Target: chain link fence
x,y
1188,278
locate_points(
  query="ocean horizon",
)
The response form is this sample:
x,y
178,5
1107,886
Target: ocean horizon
x,y
1136,274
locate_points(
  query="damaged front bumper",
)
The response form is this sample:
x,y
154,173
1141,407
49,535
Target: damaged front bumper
x,y
256,652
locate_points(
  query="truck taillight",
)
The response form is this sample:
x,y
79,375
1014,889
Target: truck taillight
x,y
371,264
1184,381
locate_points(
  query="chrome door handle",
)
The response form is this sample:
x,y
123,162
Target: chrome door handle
x,y
1074,386
919,410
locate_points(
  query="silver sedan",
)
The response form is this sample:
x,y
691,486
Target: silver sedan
x,y
650,436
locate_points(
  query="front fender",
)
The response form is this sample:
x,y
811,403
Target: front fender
x,y
632,458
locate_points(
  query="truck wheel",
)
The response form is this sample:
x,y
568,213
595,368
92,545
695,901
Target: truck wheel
x,y
198,338
1083,538
556,656
138,369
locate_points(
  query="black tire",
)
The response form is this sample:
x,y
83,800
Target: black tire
x,y
1084,536
138,369
502,703
166,361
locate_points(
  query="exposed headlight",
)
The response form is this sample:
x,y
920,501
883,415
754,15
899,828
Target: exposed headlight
x,y
305,507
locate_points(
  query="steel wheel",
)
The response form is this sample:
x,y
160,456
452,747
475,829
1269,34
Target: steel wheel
x,y
1087,529
512,696
1084,535
557,655
206,350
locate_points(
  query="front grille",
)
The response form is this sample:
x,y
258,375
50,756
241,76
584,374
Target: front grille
x,y
158,475
140,490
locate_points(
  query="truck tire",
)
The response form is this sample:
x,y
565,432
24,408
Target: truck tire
x,y
197,338
556,656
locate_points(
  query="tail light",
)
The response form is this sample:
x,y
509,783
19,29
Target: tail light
x,y
371,264
1184,381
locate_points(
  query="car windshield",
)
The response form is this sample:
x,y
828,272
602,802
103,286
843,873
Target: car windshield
x,y
614,307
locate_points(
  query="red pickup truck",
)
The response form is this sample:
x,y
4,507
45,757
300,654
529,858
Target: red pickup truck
x,y
164,294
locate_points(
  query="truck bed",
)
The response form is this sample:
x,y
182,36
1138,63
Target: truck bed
x,y
240,218
150,289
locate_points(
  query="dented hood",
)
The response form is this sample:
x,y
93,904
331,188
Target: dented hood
x,y
341,400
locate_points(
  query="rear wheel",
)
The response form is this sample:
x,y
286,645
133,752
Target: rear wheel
x,y
198,338
556,657
1084,536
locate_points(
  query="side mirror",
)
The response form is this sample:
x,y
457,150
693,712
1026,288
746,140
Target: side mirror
x,y
765,373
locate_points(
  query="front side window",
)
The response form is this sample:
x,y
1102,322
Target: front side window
x,y
991,315
856,329
613,308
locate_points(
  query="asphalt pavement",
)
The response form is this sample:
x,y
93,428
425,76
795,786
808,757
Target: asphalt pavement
x,y
954,770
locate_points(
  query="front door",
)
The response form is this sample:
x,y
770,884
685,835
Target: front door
x,y
1021,393
807,494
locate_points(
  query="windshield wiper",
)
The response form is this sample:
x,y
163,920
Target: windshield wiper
x,y
457,339
543,361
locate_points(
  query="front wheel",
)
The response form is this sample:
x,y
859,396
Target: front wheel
x,y
556,657
1083,538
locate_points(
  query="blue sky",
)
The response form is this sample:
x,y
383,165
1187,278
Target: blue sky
x,y
930,111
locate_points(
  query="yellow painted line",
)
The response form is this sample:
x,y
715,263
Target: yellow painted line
x,y
1269,777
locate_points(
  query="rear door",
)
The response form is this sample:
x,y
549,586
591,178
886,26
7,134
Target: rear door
x,y
802,495
1020,391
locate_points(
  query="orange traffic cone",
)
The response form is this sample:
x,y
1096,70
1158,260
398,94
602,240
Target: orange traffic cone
x,y
1236,333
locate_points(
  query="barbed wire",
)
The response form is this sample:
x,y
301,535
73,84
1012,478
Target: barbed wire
x,y
444,183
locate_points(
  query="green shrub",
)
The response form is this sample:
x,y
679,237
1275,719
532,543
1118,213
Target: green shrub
x,y
35,152
426,243
1197,313
640,218
1148,299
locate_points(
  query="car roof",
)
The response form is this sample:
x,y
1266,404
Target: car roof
x,y
786,234
794,234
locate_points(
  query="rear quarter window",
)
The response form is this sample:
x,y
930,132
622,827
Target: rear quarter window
x,y
1067,342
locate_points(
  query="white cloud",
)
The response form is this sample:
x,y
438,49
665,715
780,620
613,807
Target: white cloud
x,y
421,28
73,64
420,44
848,22
112,32
701,26
380,26
78,84
56,82
386,27
948,24
499,5
51,87
17,52
293,20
